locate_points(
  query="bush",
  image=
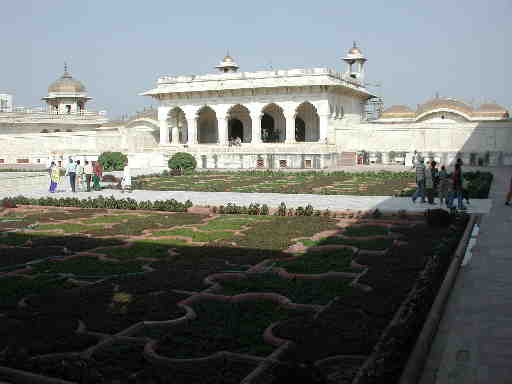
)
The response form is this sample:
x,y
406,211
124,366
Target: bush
x,y
182,161
112,161
103,202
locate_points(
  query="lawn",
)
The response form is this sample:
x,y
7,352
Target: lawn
x,y
333,183
124,271
382,183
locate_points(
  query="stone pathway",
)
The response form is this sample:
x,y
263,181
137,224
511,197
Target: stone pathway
x,y
473,344
36,186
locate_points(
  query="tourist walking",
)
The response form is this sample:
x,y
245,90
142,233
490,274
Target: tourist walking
x,y
430,175
96,178
88,172
420,181
509,194
458,180
79,175
444,185
54,176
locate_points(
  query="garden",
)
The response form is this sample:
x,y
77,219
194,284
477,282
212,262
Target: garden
x,y
101,295
383,183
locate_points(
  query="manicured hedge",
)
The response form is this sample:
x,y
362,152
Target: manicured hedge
x,y
112,161
183,161
102,202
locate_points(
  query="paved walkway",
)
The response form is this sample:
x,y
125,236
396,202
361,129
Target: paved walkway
x,y
474,341
36,186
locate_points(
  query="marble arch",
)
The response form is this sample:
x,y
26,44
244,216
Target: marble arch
x,y
207,125
273,124
240,123
178,128
307,124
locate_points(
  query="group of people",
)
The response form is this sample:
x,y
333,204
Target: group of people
x,y
449,186
80,176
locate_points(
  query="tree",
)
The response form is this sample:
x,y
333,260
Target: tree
x,y
182,161
112,161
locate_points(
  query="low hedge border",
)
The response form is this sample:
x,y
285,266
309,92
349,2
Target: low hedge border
x,y
100,202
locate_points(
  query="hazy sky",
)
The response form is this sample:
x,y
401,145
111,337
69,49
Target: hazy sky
x,y
119,48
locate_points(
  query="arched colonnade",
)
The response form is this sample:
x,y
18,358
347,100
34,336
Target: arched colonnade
x,y
269,123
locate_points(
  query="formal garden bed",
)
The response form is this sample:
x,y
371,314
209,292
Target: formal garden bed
x,y
383,183
210,298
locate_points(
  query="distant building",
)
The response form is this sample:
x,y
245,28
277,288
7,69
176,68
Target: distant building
x,y
315,118
5,102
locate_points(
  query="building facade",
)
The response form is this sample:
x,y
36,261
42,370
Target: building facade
x,y
299,118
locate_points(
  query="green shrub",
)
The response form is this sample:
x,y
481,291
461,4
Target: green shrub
x,y
102,202
112,161
183,161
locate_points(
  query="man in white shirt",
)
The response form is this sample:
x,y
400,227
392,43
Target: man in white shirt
x,y
88,171
71,172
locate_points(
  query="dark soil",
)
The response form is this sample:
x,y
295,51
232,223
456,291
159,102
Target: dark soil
x,y
32,334
19,255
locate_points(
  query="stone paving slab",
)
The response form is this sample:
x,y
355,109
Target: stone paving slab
x,y
273,200
474,340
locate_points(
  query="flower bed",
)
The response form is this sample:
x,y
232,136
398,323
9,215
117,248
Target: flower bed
x,y
143,286
301,291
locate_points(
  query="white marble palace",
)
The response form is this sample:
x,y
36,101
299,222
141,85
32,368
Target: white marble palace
x,y
298,118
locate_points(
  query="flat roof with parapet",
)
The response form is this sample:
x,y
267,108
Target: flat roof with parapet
x,y
259,79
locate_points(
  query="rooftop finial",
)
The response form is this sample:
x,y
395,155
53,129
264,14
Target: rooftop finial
x,y
355,45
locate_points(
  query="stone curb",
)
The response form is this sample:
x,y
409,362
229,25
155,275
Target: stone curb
x,y
416,361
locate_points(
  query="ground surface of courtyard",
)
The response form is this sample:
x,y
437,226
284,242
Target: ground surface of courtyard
x,y
140,296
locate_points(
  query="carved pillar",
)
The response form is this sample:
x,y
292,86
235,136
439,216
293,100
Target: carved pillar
x,y
175,133
192,130
290,127
164,132
256,127
323,128
223,130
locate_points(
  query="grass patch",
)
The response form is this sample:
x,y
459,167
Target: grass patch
x,y
202,237
136,224
68,227
320,262
373,245
233,223
108,219
301,291
234,327
278,232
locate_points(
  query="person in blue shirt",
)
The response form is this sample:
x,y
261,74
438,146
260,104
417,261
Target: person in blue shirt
x,y
71,172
